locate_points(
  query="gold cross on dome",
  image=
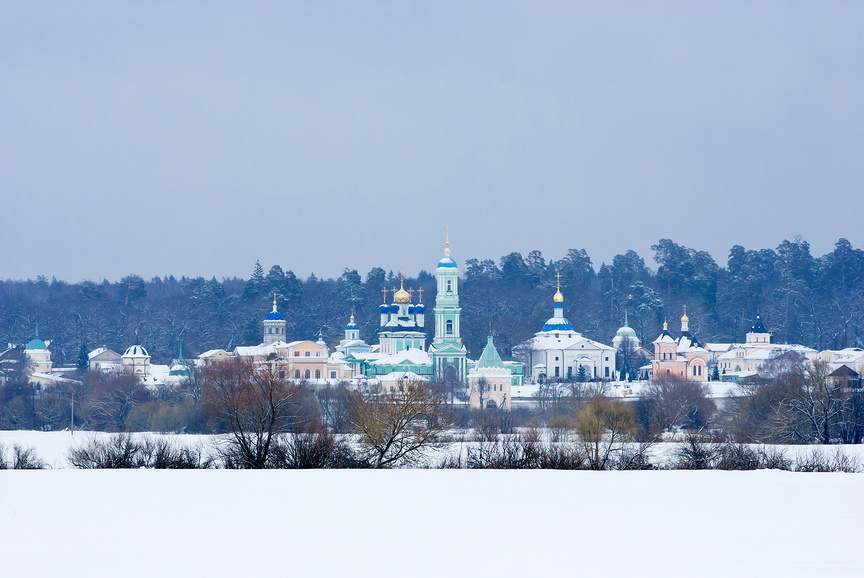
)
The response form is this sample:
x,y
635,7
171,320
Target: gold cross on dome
x,y
384,292
420,293
558,276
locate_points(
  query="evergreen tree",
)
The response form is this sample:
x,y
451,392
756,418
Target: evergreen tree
x,y
83,362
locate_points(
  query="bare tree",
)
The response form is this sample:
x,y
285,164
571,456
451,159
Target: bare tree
x,y
256,404
398,427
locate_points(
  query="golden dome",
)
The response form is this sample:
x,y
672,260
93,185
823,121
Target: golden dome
x,y
684,318
402,296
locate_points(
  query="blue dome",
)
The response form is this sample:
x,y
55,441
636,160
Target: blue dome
x,y
394,308
384,308
351,326
274,316
411,309
558,324
420,308
447,262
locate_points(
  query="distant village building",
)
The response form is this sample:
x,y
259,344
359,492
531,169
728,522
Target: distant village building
x,y
104,360
37,355
136,360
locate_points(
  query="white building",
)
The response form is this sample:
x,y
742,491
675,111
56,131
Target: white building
x,y
560,352
741,360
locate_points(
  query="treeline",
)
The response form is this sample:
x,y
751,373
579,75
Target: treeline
x,y
815,301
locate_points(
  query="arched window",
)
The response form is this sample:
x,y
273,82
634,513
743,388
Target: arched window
x,y
449,327
449,285
307,374
317,374
296,374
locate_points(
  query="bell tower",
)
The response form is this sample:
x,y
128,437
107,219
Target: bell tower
x,y
447,351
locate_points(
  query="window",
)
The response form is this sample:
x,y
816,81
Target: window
x,y
317,374
281,375
296,354
307,374
557,372
556,359
607,359
306,353
317,354
449,285
449,327
607,371
296,374
332,375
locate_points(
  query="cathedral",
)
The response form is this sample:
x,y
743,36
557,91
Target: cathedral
x,y
401,352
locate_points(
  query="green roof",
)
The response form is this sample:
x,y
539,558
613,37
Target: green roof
x,y
36,343
490,357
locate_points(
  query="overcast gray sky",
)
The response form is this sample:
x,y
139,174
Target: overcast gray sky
x,y
194,138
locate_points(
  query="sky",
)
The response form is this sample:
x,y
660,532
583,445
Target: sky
x,y
194,138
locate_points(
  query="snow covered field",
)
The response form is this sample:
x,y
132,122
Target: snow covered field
x,y
66,522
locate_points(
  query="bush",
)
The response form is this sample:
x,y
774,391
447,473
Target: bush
x,y
123,451
817,461
313,451
22,459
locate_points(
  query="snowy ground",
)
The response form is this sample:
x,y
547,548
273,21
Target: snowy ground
x,y
429,522
66,522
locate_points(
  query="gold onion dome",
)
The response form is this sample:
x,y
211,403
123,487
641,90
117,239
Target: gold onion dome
x,y
684,318
402,296
558,297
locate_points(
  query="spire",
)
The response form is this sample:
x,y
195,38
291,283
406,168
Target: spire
x,y
447,243
180,361
36,335
558,298
274,302
626,324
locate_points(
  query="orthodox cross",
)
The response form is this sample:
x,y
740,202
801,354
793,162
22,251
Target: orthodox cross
x,y
420,293
558,276
384,291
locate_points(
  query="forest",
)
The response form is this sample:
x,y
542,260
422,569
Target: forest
x,y
811,300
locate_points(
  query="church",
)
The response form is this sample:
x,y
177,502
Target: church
x,y
682,358
559,352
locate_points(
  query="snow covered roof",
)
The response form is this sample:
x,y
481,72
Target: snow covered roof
x,y
136,352
718,347
411,355
96,352
254,350
397,376
625,331
565,340
212,352
489,357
